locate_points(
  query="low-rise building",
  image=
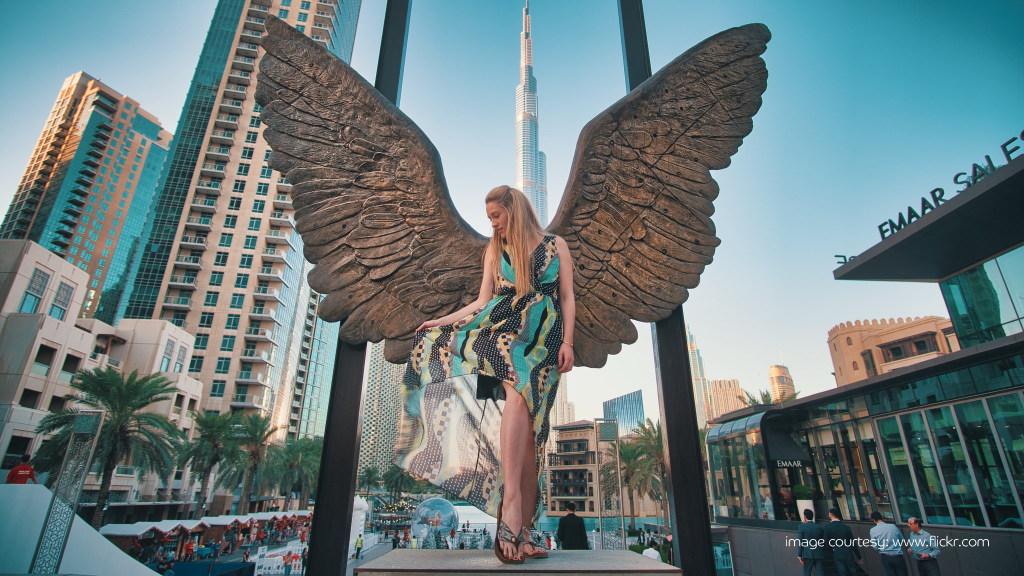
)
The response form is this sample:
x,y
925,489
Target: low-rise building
x,y
861,350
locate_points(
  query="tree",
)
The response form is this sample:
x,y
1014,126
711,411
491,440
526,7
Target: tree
x,y
252,435
130,433
369,478
653,443
294,467
636,472
215,443
764,398
397,481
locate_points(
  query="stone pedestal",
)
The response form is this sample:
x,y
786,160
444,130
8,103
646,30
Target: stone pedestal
x,y
479,562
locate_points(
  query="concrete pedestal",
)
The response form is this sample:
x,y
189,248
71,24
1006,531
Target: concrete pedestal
x,y
479,562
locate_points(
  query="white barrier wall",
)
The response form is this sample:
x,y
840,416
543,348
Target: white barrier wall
x,y
22,511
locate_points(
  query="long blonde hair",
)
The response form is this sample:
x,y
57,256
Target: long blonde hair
x,y
523,226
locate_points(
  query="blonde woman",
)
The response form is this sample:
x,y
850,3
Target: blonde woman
x,y
481,380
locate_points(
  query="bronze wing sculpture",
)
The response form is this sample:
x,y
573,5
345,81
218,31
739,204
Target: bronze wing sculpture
x,y
390,249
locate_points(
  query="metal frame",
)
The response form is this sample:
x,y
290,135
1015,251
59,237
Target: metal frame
x,y
618,470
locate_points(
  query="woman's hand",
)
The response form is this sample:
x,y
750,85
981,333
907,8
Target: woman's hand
x,y
565,358
428,325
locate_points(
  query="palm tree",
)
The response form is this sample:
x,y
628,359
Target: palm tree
x,y
252,435
130,433
369,478
653,443
315,450
764,398
397,481
636,471
294,467
215,443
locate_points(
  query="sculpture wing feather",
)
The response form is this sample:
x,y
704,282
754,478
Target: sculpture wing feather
x,y
637,209
370,198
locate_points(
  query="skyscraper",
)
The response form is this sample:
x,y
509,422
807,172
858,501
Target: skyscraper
x,y
781,382
87,190
563,411
531,163
381,409
723,397
700,393
220,255
627,410
308,414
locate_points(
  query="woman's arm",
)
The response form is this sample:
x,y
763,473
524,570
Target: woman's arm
x,y
567,301
486,287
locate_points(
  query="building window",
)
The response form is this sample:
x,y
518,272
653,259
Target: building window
x,y
247,153
266,172
34,292
250,137
855,366
232,323
211,299
62,301
235,204
165,364
237,300
196,364
225,239
201,340
262,188
254,224
303,16
281,13
243,169
206,320
258,206
246,261
238,186
300,28
250,243
230,221
849,341
242,280
223,365
254,122
227,344
217,389
221,259
304,5
216,278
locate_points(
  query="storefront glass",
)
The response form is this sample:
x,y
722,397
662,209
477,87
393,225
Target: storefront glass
x,y
983,452
922,459
1008,417
956,471
899,469
984,302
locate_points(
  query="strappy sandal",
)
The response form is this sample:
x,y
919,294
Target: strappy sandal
x,y
505,534
538,550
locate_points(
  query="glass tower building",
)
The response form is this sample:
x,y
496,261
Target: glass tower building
x,y
531,164
87,190
701,397
627,410
219,254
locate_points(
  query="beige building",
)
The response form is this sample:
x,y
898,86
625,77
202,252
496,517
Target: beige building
x,y
87,189
862,349
381,410
724,396
781,382
562,412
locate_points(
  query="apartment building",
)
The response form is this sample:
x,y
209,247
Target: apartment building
x,y
861,350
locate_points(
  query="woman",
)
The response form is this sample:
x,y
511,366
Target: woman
x,y
511,344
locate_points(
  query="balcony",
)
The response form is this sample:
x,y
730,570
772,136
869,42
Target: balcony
x,y
278,237
282,219
79,202
273,255
284,185
319,28
178,302
271,274
256,356
105,127
186,282
254,23
250,377
263,313
322,16
282,202
193,242
204,223
66,220
248,50
73,211
264,293
257,10
218,153
83,181
261,335
189,262
65,232
222,137
229,106
211,170
80,192
60,241
98,144
91,152
321,40
240,77
208,187
208,205
243,63
251,36
90,162
250,401
102,136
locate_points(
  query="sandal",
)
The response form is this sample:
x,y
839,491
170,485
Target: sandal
x,y
505,534
538,550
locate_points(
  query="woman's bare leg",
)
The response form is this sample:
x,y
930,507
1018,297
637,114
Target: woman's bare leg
x,y
528,481
515,424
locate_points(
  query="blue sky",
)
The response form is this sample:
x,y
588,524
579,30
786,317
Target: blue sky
x,y
869,106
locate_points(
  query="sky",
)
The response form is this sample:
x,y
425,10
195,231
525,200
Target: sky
x,y
869,106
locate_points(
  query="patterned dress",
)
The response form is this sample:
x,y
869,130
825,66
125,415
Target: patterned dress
x,y
448,435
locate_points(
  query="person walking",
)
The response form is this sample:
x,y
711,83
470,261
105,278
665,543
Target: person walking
x,y
925,549
302,560
810,545
359,545
839,537
288,559
571,531
394,540
22,473
886,538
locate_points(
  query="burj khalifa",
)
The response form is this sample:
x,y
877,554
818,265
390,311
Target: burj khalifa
x,y
531,164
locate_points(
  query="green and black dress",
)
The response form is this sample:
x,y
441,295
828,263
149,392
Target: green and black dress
x,y
451,418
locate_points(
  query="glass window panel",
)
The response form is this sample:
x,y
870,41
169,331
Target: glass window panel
x,y
879,489
878,402
1008,416
903,396
836,487
759,470
922,459
957,384
991,376
983,454
928,391
1011,265
955,469
899,469
858,501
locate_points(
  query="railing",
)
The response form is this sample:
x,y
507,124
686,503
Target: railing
x,y
208,184
40,369
273,252
194,239
202,221
267,290
217,167
245,59
209,202
114,362
269,270
250,375
264,332
229,101
176,410
219,149
178,300
224,133
66,377
250,355
263,311
255,20
256,399
175,279
197,260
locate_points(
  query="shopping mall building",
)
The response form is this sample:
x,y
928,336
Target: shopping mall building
x,y
941,439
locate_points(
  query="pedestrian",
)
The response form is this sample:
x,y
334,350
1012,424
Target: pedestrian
x,y
359,545
288,564
245,554
652,553
886,538
22,473
571,531
810,545
302,560
924,549
839,537
394,540
147,553
190,551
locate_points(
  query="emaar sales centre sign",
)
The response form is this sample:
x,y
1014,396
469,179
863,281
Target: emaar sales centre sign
x,y
937,196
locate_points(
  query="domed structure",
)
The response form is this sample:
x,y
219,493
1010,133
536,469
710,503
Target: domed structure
x,y
432,516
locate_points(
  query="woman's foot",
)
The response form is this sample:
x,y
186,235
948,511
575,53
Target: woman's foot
x,y
513,518
530,548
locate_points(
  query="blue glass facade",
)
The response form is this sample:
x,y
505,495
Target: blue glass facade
x,y
627,410
986,302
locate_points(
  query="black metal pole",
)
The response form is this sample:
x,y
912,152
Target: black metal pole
x,y
336,485
687,492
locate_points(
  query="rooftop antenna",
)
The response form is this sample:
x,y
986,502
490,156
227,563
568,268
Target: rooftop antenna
x,y
783,357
